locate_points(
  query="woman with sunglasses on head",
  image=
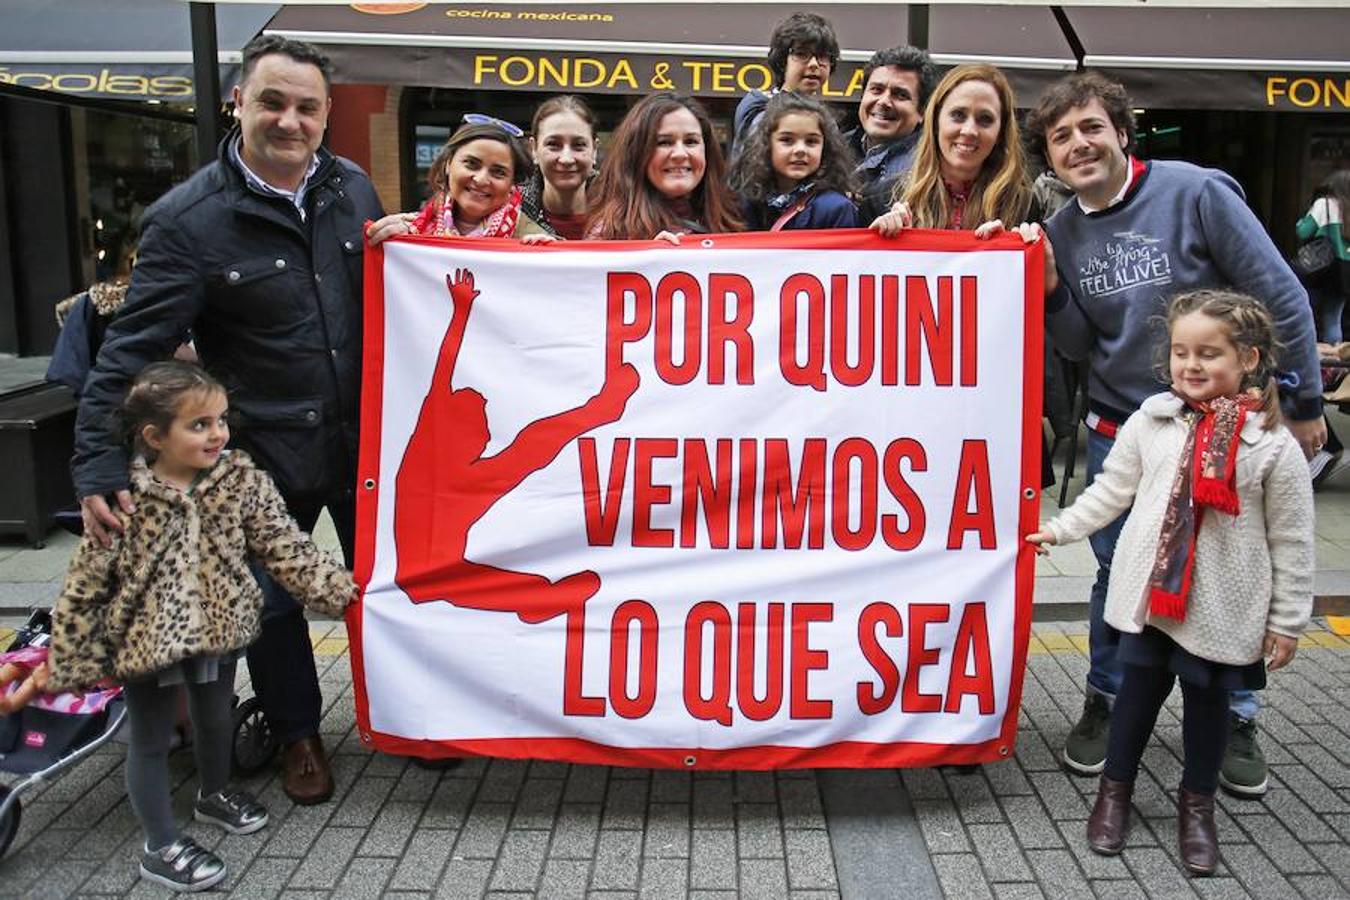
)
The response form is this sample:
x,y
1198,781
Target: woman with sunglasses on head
x,y
664,176
474,188
562,139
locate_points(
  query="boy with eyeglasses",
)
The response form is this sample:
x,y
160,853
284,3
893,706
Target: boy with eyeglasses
x,y
803,51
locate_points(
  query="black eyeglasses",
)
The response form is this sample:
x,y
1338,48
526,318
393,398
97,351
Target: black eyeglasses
x,y
482,119
802,55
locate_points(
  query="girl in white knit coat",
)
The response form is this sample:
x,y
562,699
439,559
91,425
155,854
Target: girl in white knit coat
x,y
1213,571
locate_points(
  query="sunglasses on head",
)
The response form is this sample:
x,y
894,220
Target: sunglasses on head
x,y
483,119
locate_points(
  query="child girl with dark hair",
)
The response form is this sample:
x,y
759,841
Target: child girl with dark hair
x,y
796,170
172,603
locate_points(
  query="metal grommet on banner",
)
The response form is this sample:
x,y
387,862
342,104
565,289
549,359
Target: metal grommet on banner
x,y
1003,750
706,242
366,738
368,484
690,761
1028,493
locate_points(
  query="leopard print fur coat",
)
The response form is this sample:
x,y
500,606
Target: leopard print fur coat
x,y
176,581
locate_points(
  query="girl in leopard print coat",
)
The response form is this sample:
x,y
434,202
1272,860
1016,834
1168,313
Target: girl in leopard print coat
x,y
173,602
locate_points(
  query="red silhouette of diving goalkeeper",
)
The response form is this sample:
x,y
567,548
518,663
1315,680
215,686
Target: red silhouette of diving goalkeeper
x,y
445,484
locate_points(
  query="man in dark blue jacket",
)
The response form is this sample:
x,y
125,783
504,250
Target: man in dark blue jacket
x,y
258,255
896,85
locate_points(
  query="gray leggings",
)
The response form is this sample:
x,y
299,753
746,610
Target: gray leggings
x,y
152,711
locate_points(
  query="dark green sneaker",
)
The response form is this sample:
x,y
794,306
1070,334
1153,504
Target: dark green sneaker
x,y
1085,749
1243,773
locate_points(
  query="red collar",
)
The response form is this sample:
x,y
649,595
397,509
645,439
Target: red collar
x,y
1137,169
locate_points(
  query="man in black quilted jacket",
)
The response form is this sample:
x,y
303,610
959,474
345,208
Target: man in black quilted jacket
x,y
258,258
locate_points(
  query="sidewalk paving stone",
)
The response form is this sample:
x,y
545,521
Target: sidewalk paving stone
x,y
618,860
520,861
809,861
565,879
712,859
667,831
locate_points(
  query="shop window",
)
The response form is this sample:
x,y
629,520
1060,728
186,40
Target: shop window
x,y
128,162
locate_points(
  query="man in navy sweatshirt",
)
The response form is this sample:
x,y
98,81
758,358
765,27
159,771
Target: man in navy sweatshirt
x,y
1136,234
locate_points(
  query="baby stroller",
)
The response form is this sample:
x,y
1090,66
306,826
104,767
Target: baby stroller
x,y
54,733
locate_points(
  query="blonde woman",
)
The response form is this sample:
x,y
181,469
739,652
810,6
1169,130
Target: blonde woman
x,y
970,171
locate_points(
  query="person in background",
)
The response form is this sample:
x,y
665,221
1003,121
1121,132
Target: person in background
x,y
1048,193
795,170
83,320
259,257
562,141
803,51
663,177
897,83
1326,219
1187,228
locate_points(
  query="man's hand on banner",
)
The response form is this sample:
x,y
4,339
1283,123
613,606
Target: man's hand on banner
x,y
462,292
1042,541
1030,232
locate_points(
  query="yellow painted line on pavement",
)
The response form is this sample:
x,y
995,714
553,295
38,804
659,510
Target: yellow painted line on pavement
x,y
1057,642
331,647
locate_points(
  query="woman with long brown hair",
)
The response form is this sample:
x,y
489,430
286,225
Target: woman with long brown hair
x,y
562,140
970,168
664,175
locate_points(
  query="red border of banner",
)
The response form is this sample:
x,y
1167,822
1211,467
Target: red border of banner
x,y
850,754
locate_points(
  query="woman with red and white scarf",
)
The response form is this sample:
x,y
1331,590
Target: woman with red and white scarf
x,y
1212,577
475,188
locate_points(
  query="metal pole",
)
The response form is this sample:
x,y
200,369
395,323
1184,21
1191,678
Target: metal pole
x,y
206,78
918,25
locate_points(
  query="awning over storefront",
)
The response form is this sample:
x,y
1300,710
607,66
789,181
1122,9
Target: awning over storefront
x,y
638,48
124,50
1290,60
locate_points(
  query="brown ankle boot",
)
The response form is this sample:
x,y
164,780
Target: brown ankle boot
x,y
1196,835
1110,819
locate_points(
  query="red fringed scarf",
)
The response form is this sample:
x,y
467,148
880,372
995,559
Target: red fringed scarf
x,y
1206,477
437,218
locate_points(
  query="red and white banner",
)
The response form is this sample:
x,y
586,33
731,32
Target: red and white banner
x,y
755,501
